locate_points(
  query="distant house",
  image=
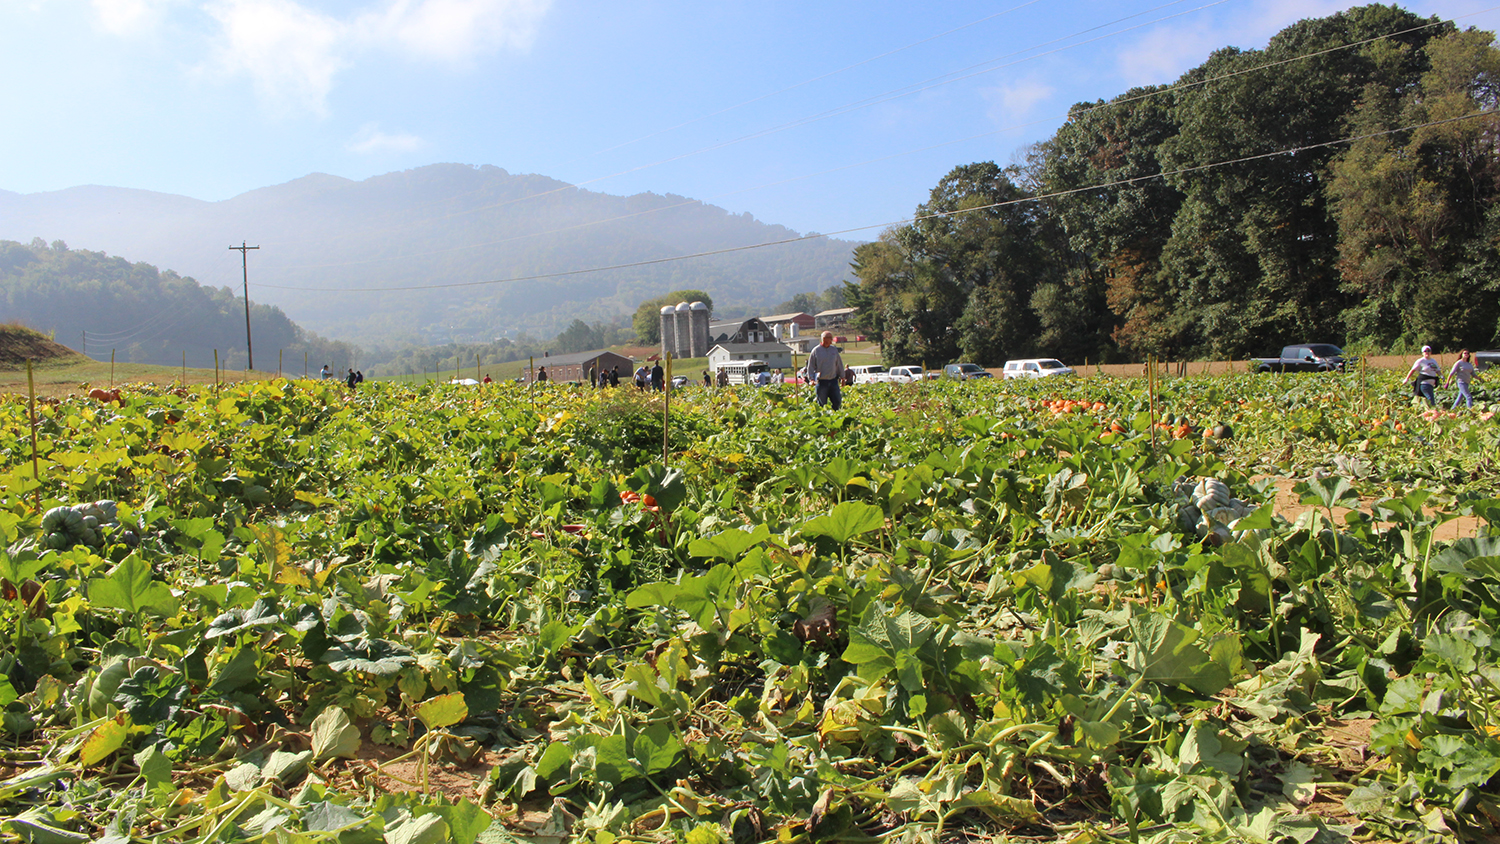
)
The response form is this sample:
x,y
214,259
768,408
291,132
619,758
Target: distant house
x,y
775,355
578,365
834,319
752,330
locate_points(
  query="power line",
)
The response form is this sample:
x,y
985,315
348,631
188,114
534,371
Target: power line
x,y
877,99
918,218
1173,88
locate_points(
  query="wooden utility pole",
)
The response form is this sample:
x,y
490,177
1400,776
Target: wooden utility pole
x,y
245,271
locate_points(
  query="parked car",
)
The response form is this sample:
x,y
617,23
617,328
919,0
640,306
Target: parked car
x,y
1036,368
965,372
905,374
870,374
1485,360
1306,357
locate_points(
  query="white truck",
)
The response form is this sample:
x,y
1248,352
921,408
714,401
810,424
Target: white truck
x,y
870,374
905,374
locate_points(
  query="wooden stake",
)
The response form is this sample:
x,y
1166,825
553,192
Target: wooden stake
x,y
111,369
36,472
183,382
1151,391
666,404
216,370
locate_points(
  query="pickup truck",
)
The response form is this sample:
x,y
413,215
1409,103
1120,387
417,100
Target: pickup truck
x,y
871,374
1485,360
1308,357
905,374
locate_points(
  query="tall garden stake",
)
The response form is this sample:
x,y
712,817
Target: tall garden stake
x,y
36,472
666,404
111,369
1151,391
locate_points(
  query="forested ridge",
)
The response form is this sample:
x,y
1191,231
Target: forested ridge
x,y
146,315
1338,186
441,253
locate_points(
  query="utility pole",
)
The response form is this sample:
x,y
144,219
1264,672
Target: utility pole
x,y
245,268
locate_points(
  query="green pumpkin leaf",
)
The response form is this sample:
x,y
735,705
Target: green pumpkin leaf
x,y
730,544
846,521
443,710
333,735
128,586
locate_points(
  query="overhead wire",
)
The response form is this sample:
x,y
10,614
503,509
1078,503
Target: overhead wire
x,y
157,324
1175,87
905,221
877,99
776,93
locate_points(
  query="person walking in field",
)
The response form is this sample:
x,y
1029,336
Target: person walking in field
x,y
1427,373
658,377
1462,373
642,377
541,375
825,364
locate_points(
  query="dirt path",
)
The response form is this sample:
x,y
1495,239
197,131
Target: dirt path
x,y
1288,504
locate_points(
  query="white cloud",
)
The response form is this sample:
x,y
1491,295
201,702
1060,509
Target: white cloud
x,y
290,53
126,17
370,140
455,30
293,53
1163,54
1009,103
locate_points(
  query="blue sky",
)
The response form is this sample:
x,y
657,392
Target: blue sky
x,y
822,116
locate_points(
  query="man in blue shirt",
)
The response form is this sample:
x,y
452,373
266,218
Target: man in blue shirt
x,y
825,364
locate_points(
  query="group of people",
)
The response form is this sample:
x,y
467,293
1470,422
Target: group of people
x,y
1428,373
352,379
654,378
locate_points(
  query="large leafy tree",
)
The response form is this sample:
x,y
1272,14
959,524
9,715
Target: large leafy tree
x,y
1101,170
1251,258
958,281
1417,211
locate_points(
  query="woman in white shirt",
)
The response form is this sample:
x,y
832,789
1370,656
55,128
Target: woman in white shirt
x,y
1427,372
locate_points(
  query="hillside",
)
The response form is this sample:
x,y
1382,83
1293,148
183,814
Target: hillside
x,y
103,305
19,344
446,224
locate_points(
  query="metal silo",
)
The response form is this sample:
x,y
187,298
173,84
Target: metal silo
x,y
698,322
668,330
684,331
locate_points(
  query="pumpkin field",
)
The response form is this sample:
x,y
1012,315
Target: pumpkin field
x,y
1255,608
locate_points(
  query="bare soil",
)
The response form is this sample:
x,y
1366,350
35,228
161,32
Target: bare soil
x,y
1288,504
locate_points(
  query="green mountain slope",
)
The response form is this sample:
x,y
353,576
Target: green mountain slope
x,y
445,224
91,302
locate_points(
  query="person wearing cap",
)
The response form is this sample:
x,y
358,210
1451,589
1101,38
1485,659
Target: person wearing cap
x,y
1427,373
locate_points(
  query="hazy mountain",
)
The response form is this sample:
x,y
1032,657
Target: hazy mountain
x,y
441,224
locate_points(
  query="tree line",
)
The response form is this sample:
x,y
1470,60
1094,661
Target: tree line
x,y
106,305
1338,186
